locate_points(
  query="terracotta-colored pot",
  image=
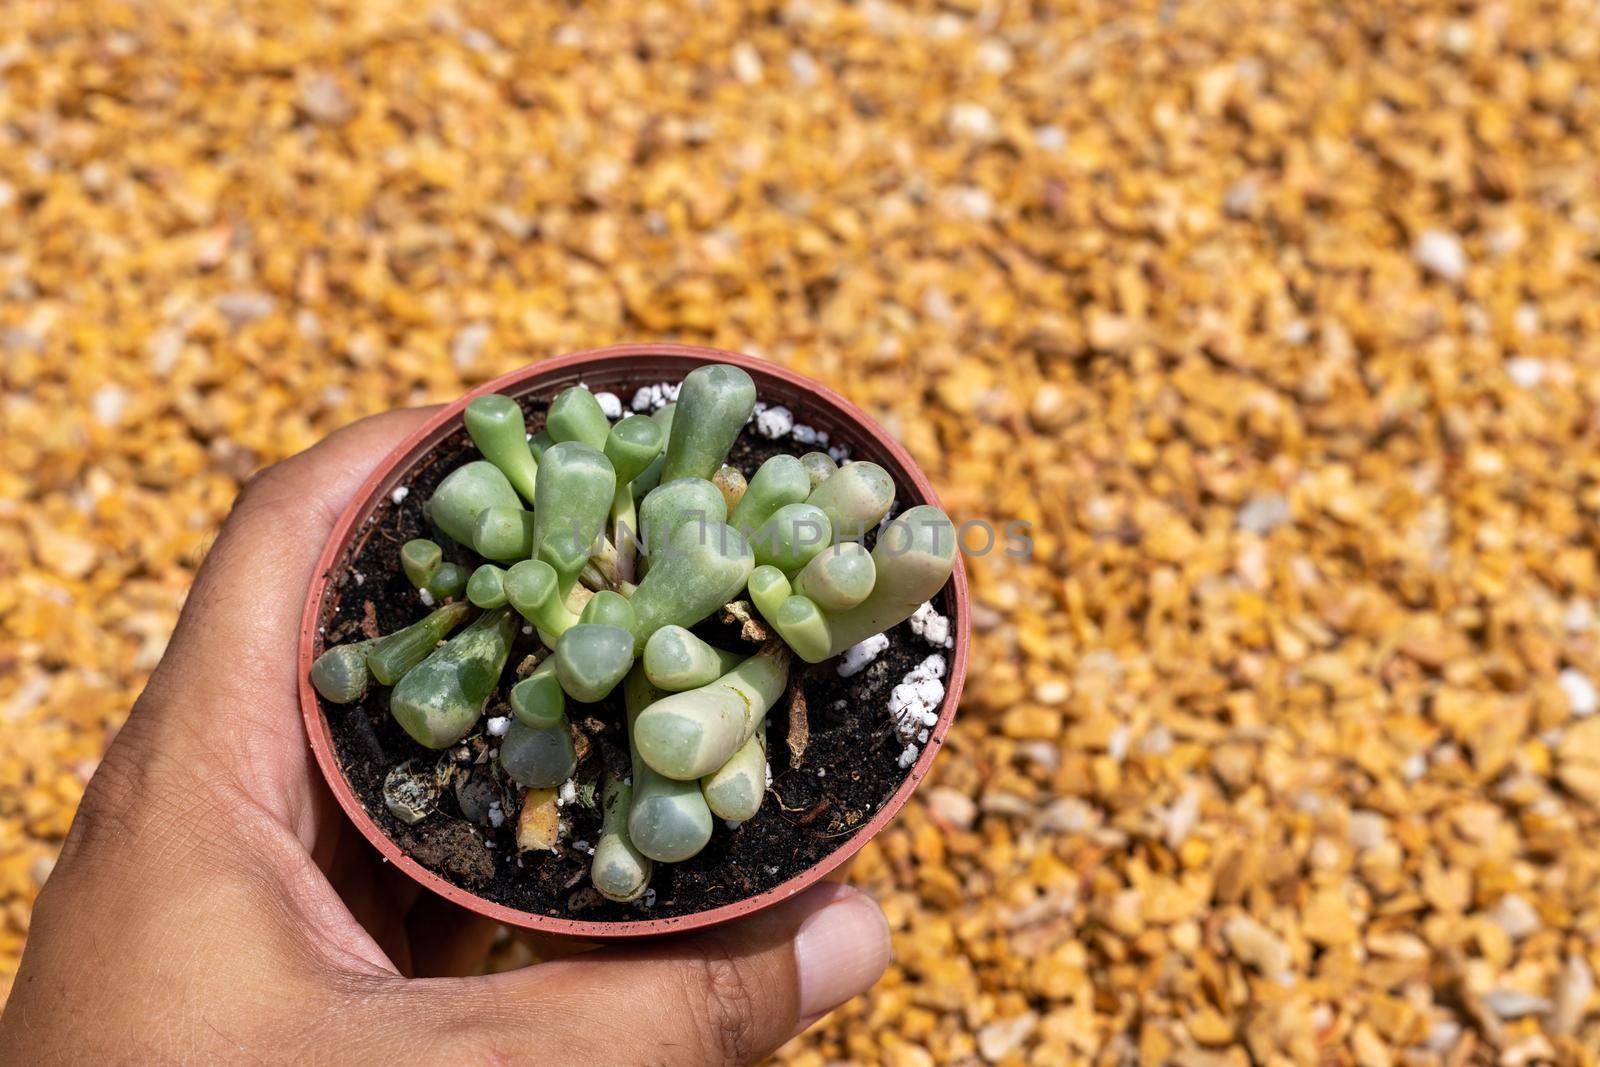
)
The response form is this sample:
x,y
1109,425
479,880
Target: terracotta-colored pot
x,y
622,369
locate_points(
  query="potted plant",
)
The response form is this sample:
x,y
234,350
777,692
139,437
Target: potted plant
x,y
601,658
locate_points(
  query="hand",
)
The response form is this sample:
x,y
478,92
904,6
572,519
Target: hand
x,y
212,904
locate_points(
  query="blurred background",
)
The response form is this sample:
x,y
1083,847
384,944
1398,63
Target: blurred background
x,y
1280,322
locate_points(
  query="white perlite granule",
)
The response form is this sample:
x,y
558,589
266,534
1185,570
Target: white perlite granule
x,y
498,725
654,397
610,404
908,756
931,626
427,597
807,435
400,494
914,703
854,660
775,422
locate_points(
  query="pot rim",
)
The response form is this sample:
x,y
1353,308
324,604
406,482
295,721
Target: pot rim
x,y
447,419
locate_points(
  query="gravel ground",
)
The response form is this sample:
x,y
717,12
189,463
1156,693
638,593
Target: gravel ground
x,y
1278,322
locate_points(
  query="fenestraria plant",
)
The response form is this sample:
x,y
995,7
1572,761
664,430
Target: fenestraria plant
x,y
610,542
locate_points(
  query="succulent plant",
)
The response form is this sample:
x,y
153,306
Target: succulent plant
x,y
714,403
394,654
839,577
734,790
650,477
675,660
420,559
672,505
537,749
496,426
613,542
668,820
591,658
792,537
486,588
690,734
620,871
819,467
695,573
439,700
455,505
855,499
341,674
576,483
779,481
575,415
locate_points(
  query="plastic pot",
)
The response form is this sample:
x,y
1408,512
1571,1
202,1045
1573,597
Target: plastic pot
x,y
622,369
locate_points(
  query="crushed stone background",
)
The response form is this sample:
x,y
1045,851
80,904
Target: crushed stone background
x,y
1280,323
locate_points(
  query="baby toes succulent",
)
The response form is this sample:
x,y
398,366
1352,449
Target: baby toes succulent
x,y
608,544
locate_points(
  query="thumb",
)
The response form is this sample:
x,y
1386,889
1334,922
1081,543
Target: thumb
x,y
727,996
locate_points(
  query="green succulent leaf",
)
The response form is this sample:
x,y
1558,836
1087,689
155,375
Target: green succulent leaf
x,y
496,426
464,493
439,700
392,655
714,403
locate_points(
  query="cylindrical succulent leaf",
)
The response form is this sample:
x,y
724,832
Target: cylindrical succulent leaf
x,y
447,582
392,655
620,871
440,699
714,403
591,658
576,484
539,444
532,588
780,480
672,505
496,426
697,573
839,578
769,588
341,675
464,493
420,559
539,758
819,467
804,628
538,701
675,660
650,477
575,415
914,556
855,499
792,537
610,608
690,734
503,534
487,587
632,444
734,790
669,820
731,484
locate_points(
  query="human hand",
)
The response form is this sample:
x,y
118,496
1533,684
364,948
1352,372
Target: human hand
x,y
212,903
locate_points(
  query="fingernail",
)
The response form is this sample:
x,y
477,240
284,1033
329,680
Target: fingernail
x,y
840,950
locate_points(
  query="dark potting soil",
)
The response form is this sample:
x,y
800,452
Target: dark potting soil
x,y
849,768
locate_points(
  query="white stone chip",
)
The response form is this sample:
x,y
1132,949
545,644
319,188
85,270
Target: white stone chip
x,y
1440,252
1580,691
498,725
931,626
855,658
610,405
774,422
400,494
